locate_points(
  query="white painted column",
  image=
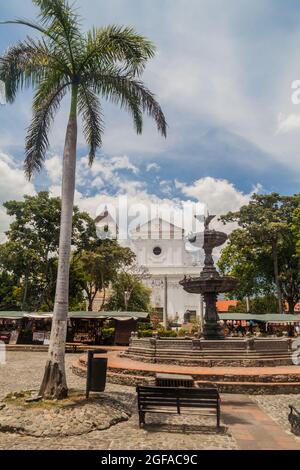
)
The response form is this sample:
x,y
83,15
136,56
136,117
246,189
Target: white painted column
x,y
165,302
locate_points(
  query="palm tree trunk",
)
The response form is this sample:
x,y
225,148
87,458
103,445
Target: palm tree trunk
x,y
54,385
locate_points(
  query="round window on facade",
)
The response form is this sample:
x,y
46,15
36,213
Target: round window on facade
x,y
157,251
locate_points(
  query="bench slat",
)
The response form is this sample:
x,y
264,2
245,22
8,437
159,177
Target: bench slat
x,y
181,402
174,411
180,395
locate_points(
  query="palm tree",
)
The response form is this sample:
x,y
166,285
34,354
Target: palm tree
x,y
104,63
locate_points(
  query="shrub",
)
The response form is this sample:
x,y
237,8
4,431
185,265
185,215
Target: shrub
x,y
145,333
184,332
107,333
162,333
144,326
167,333
155,321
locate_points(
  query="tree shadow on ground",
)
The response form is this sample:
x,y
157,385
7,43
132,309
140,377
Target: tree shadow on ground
x,y
126,398
234,419
238,404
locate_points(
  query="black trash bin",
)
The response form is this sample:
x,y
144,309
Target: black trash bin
x,y
96,372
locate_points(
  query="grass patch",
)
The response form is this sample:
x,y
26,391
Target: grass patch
x,y
75,398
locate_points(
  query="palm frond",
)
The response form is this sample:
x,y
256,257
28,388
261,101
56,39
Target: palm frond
x,y
93,127
50,55
106,62
118,44
33,25
46,103
129,93
62,22
21,67
60,26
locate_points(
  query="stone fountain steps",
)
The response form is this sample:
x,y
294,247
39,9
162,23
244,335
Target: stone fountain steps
x,y
217,360
231,352
226,363
256,388
171,353
235,382
274,377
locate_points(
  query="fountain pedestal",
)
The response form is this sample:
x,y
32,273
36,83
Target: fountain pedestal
x,y
212,329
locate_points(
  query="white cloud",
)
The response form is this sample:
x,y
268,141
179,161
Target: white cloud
x,y
153,167
97,182
288,123
13,185
104,171
166,187
232,69
53,167
107,167
123,163
220,196
4,224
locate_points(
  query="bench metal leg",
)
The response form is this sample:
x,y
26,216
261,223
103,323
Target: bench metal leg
x,y
218,417
142,419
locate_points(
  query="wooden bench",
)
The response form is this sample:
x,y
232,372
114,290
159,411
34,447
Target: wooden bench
x,y
73,347
152,399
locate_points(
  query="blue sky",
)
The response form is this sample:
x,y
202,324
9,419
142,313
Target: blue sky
x,y
223,75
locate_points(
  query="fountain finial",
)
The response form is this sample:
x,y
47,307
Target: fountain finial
x,y
207,220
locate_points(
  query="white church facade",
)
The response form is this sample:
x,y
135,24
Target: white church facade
x,y
162,248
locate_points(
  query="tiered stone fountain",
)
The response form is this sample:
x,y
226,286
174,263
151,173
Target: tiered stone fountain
x,y
210,283
213,349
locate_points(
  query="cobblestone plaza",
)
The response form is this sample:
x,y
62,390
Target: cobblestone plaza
x,y
248,422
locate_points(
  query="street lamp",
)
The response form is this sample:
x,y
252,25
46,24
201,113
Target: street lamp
x,y
126,299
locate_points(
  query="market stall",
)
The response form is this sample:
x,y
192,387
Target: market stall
x,y
104,327
273,324
10,327
89,328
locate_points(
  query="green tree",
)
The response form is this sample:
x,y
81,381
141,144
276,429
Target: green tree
x,y
100,267
9,292
106,62
296,229
31,252
139,296
22,262
262,252
251,265
258,305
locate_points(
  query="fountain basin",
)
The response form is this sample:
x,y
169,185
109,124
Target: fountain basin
x,y
213,239
201,285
